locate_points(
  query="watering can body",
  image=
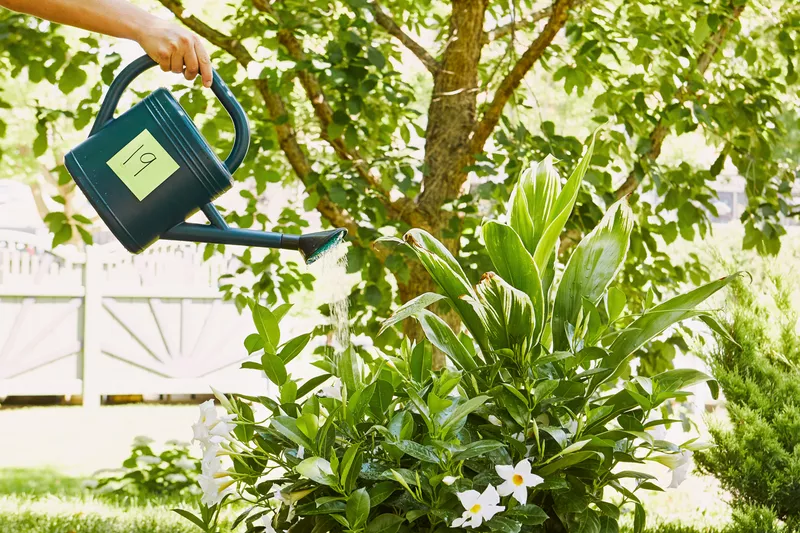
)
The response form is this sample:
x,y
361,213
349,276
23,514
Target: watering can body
x,y
148,170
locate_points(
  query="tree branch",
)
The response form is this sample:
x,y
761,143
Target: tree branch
x,y
386,22
526,22
287,138
402,208
558,17
660,132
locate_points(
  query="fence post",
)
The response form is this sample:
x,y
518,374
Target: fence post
x,y
92,315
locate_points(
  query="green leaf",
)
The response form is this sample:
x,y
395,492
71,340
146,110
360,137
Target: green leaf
x,y
474,449
515,265
267,326
253,343
312,384
716,327
418,451
385,523
441,336
72,78
294,347
507,314
639,518
348,369
530,515
535,194
658,318
591,268
567,461
287,426
191,518
85,235
274,368
462,411
502,524
64,234
376,58
448,274
411,308
679,378
318,470
379,493
561,211
615,303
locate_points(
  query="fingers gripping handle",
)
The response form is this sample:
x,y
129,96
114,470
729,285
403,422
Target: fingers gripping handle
x,y
220,89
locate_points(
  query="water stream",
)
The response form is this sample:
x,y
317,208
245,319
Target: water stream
x,y
331,273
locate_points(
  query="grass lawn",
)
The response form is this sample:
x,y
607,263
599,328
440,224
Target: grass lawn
x,y
46,501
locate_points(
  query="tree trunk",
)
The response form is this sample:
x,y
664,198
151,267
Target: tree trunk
x,y
451,119
452,111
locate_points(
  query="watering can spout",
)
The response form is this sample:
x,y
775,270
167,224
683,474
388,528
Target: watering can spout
x,y
311,246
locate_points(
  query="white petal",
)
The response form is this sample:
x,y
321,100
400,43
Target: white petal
x,y
523,467
449,480
468,498
506,488
489,497
458,522
521,494
531,480
505,471
491,510
477,519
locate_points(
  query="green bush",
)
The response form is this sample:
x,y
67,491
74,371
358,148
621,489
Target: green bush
x,y
757,458
173,471
521,431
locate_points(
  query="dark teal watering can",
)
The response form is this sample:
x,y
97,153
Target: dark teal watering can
x,y
148,170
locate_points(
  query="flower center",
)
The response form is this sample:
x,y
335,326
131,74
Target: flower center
x,y
475,509
517,480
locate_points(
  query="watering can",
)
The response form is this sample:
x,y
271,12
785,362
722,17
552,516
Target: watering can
x,y
146,171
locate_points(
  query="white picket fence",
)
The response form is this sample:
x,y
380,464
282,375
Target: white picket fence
x,y
105,322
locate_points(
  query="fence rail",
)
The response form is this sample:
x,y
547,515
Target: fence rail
x,y
104,322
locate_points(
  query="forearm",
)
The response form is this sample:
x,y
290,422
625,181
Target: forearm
x,y
116,18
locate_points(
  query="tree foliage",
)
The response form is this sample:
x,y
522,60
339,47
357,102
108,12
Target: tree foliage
x,y
422,113
756,458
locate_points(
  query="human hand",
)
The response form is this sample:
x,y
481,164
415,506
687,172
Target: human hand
x,y
176,49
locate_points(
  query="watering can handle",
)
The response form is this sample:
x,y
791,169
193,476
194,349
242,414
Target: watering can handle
x,y
220,89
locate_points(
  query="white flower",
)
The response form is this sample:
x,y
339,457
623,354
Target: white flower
x,y
449,480
659,432
517,480
494,420
519,436
301,452
479,507
334,391
185,464
266,521
571,426
214,488
210,427
681,469
148,460
141,440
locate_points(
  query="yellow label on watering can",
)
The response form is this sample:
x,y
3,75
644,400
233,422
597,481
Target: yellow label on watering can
x,y
143,165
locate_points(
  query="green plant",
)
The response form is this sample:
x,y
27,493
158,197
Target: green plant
x,y
522,429
173,471
757,458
